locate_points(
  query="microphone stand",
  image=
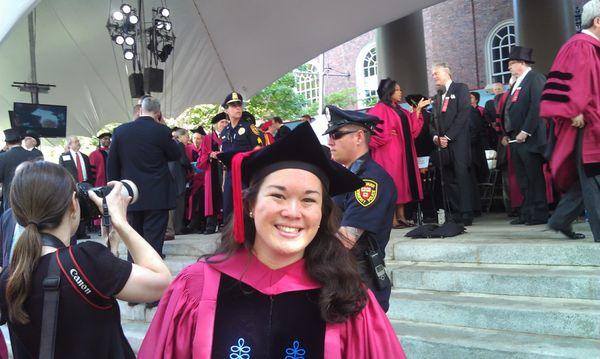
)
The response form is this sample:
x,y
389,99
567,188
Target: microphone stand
x,y
445,200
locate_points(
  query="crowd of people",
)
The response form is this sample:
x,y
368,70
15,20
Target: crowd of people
x,y
300,267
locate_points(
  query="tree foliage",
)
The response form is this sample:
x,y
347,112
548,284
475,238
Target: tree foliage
x,y
344,99
193,117
278,99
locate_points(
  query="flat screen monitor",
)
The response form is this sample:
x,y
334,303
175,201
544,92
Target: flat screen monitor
x,y
46,120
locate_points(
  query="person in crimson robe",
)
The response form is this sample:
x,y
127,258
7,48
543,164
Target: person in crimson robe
x,y
213,173
393,148
98,159
194,209
282,283
571,98
267,128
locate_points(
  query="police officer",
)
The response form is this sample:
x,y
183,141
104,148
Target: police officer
x,y
369,211
239,135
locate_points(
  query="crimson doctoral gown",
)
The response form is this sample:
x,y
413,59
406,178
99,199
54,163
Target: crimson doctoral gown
x,y
184,323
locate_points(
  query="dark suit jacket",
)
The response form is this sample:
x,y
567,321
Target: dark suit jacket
x,y
454,122
68,162
9,161
139,152
179,170
7,231
524,113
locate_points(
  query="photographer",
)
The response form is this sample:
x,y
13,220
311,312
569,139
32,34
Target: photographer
x,y
87,323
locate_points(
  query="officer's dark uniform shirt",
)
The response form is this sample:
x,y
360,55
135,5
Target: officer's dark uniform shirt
x,y
243,137
370,208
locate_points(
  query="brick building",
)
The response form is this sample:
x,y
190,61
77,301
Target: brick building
x,y
473,36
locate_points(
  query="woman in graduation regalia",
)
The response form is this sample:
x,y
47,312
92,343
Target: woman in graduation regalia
x,y
281,285
393,148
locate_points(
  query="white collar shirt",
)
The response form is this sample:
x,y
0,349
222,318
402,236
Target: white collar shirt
x,y
519,80
74,156
588,32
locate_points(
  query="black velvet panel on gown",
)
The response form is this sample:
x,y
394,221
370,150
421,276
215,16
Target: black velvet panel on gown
x,y
410,160
249,324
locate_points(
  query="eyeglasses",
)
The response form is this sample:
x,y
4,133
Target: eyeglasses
x,y
336,135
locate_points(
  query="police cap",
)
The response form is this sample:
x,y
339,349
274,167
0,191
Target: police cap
x,y
231,98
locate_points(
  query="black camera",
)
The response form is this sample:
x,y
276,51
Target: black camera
x,y
89,210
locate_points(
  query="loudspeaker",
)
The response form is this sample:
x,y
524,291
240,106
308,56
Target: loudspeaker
x,y
153,80
136,85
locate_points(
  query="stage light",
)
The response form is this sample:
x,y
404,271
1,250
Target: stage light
x,y
125,8
128,54
129,40
159,24
117,15
163,11
167,26
165,52
133,19
119,39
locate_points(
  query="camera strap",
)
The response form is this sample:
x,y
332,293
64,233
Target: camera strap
x,y
51,287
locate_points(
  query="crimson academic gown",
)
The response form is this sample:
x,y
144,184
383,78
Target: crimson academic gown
x,y
206,147
573,88
184,323
98,166
388,149
197,179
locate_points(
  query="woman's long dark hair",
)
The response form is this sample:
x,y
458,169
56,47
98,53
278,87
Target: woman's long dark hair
x,y
386,89
40,194
327,261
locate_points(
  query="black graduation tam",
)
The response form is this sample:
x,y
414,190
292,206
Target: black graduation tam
x,y
34,135
247,116
301,150
231,98
12,135
521,53
199,130
414,99
218,117
104,134
339,118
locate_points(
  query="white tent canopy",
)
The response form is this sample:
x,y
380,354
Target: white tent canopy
x,y
221,45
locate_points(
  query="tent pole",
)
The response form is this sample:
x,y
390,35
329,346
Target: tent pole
x,y
35,89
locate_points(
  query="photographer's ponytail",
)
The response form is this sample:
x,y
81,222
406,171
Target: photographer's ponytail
x,y
40,195
25,257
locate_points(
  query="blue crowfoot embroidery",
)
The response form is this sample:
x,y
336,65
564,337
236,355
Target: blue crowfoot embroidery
x,y
240,351
295,352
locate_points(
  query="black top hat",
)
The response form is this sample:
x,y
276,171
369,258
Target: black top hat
x,y
521,53
34,135
12,135
231,98
300,149
218,117
339,118
104,134
199,130
413,99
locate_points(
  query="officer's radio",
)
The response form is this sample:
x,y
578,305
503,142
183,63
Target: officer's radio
x,y
377,265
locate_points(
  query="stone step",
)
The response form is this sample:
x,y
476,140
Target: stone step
x,y
518,280
484,251
535,315
432,341
136,313
135,333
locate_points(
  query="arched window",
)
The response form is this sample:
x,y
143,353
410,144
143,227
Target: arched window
x,y
501,39
366,75
307,82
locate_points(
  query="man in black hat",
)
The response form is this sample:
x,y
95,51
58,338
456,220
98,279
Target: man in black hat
x,y
9,160
526,131
31,142
239,135
98,159
368,211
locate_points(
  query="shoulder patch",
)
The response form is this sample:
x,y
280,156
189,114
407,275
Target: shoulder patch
x,y
367,194
254,130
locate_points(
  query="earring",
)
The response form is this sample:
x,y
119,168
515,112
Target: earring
x,y
251,214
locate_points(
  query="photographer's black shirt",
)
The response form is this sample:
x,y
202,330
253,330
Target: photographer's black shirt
x,y
82,330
